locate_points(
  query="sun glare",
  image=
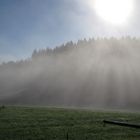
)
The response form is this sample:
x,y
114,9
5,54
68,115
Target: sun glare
x,y
116,12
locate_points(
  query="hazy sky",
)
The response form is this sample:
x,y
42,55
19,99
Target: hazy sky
x,y
29,24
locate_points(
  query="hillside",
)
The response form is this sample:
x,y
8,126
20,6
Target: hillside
x,y
94,73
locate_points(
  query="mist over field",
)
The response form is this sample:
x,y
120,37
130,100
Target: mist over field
x,y
93,73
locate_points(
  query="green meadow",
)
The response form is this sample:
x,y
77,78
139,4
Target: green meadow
x,y
46,123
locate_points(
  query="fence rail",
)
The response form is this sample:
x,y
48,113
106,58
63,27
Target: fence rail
x,y
121,123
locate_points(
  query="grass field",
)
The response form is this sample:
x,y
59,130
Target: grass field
x,y
40,123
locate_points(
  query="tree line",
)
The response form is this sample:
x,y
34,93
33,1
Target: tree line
x,y
102,72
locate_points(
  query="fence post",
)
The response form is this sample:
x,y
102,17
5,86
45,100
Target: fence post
x,y
67,136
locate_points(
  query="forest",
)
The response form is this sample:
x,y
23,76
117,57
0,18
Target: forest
x,y
102,72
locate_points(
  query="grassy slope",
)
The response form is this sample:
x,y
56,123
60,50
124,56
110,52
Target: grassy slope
x,y
27,123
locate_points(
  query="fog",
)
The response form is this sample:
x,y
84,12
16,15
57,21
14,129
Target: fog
x,y
90,73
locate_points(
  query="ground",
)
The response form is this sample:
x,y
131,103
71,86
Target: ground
x,y
44,123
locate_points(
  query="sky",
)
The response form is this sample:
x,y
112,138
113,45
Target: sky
x,y
26,25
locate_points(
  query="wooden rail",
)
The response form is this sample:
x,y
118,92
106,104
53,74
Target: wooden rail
x,y
121,123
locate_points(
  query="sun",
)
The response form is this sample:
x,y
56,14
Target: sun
x,y
116,12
